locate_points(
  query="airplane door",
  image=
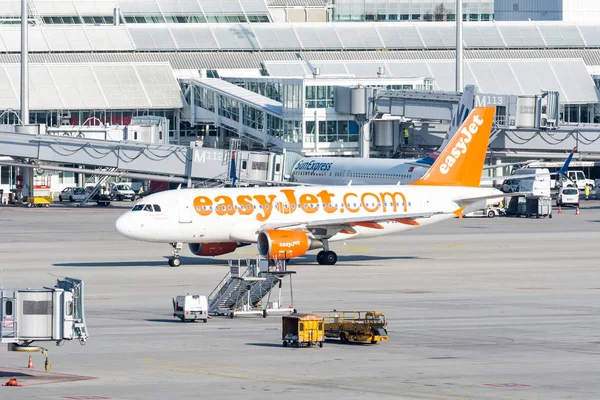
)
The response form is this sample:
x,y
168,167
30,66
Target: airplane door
x,y
346,177
184,209
9,329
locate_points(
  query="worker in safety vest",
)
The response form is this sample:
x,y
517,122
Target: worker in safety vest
x,y
587,192
406,136
140,192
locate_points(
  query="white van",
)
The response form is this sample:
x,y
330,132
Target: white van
x,y
190,308
535,181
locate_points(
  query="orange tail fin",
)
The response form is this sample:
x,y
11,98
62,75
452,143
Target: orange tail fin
x,y
461,161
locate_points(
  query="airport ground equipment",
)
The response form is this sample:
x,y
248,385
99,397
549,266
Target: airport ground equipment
x,y
39,201
356,326
51,314
530,206
243,289
190,307
302,330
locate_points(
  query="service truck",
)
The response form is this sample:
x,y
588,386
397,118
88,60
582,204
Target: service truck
x,y
574,178
190,307
356,326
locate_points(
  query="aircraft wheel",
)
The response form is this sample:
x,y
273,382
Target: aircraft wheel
x,y
320,257
329,258
174,262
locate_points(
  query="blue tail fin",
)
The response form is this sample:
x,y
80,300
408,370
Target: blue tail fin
x,y
565,166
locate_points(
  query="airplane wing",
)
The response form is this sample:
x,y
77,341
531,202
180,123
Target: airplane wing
x,y
561,171
510,164
407,218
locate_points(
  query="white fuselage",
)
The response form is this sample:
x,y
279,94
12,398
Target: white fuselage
x,y
359,171
238,214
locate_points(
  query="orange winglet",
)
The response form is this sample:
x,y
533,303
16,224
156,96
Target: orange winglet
x,y
406,221
373,225
459,212
461,161
348,232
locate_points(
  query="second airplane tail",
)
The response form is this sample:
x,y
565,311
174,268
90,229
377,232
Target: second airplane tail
x,y
461,162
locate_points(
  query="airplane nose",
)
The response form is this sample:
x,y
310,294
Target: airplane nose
x,y
123,225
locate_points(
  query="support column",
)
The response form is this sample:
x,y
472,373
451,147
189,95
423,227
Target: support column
x,y
364,145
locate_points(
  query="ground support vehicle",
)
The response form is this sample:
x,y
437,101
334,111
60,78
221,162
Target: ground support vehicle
x,y
190,307
39,201
356,326
302,330
530,206
489,211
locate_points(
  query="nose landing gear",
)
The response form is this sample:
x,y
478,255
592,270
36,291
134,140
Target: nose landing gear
x,y
175,261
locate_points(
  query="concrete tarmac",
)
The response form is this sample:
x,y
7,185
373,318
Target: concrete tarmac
x,y
478,308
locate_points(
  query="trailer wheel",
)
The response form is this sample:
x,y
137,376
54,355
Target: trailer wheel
x,y
206,320
264,314
231,315
491,214
321,344
343,338
550,216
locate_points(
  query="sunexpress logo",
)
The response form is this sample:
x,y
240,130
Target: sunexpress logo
x,y
313,165
461,147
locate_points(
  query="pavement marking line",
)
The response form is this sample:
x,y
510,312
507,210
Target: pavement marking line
x,y
312,383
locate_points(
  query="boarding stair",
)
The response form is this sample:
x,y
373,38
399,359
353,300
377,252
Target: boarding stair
x,y
99,180
243,288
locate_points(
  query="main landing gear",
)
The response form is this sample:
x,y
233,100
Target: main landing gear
x,y
175,261
326,257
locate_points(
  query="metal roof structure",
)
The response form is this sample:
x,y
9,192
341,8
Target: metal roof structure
x,y
194,60
140,7
92,86
299,36
230,90
517,77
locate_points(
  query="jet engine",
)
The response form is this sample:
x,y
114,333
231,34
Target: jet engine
x,y
212,249
281,244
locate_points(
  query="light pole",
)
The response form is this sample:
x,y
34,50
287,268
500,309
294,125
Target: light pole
x,y
459,46
24,65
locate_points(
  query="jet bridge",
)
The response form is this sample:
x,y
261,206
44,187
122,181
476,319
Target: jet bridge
x,y
51,314
154,161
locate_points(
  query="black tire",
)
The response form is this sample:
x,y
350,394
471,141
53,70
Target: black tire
x,y
550,216
176,262
71,199
321,344
206,320
264,314
329,258
297,345
320,257
285,343
231,315
59,198
491,214
343,338
133,198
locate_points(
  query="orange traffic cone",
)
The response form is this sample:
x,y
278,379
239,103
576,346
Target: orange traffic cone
x,y
30,363
12,382
577,211
559,210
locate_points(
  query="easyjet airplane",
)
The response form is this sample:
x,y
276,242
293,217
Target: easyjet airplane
x,y
287,222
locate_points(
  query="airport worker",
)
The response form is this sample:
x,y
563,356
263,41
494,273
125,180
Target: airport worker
x,y
406,136
587,192
140,192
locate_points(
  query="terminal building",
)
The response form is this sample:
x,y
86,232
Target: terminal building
x,y
313,77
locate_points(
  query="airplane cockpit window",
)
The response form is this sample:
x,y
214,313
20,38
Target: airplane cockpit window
x,y
138,207
148,207
156,208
